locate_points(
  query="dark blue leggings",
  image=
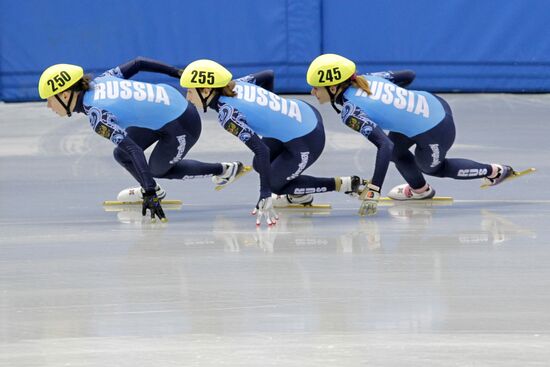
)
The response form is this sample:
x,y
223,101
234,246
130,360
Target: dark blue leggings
x,y
174,140
289,160
430,154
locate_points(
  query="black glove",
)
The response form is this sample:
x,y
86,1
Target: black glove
x,y
152,202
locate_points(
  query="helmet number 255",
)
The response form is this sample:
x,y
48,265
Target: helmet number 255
x,y
329,75
59,80
202,77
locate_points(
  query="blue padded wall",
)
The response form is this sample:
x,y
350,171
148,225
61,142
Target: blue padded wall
x,y
244,35
453,45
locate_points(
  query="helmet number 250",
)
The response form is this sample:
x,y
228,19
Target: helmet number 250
x,y
202,77
329,75
59,80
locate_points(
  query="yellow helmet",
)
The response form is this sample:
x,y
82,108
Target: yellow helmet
x,y
205,74
58,78
329,69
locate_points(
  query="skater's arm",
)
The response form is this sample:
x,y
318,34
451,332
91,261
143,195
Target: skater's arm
x,y
140,163
354,118
402,78
235,123
262,78
131,68
104,124
262,165
383,155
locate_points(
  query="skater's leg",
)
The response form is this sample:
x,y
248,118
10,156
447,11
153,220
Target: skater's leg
x,y
431,151
404,160
177,138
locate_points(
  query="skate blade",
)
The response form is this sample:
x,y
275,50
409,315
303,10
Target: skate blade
x,y
306,207
132,207
245,170
425,203
163,202
386,199
514,174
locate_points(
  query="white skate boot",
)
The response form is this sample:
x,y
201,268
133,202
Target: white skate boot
x,y
503,173
231,170
283,201
404,192
135,194
350,185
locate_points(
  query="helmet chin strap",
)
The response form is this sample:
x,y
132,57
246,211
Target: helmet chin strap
x,y
204,100
67,106
332,99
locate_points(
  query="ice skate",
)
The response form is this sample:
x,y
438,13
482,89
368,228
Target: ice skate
x,y
404,192
350,185
505,173
135,194
289,200
231,172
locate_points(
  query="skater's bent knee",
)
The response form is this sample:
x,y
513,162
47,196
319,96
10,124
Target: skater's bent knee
x,y
437,171
277,187
158,171
120,155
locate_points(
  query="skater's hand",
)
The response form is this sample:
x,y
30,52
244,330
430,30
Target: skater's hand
x,y
369,200
264,208
152,202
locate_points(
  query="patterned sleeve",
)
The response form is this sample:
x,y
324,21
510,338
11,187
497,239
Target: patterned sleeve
x,y
264,79
116,72
131,68
105,124
234,121
402,78
383,74
354,118
357,120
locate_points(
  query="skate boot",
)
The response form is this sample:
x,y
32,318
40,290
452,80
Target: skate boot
x,y
283,201
350,185
230,172
503,173
404,192
135,194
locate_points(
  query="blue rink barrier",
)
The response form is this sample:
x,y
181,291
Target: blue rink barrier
x,y
455,45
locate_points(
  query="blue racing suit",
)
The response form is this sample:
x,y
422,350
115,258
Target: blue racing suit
x,y
286,135
412,118
134,115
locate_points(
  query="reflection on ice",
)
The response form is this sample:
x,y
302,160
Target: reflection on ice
x,y
302,230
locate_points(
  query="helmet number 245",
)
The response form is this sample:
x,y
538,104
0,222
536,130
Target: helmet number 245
x,y
329,75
